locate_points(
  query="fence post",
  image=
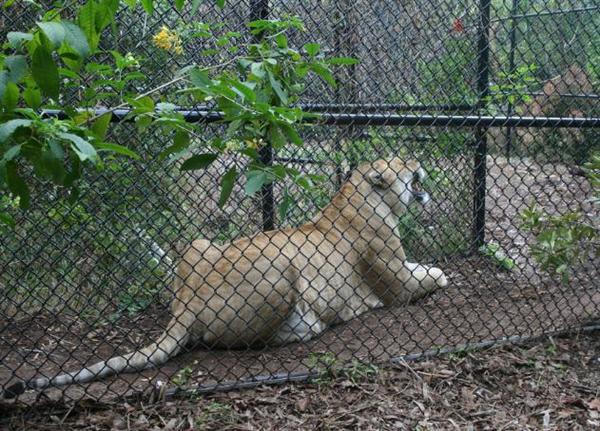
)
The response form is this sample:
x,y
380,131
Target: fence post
x,y
345,45
259,9
480,171
511,69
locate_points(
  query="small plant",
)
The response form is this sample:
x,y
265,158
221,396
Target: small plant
x,y
495,253
461,353
565,240
513,87
216,412
560,241
324,363
182,377
359,371
551,349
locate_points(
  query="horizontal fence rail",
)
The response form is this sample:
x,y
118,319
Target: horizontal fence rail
x,y
346,119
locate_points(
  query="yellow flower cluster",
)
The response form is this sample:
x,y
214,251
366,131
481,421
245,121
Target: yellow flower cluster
x,y
168,40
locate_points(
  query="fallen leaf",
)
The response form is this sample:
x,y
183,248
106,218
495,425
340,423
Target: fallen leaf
x,y
171,425
565,413
468,397
303,404
593,404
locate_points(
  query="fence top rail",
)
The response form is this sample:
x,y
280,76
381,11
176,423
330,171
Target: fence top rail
x,y
546,13
386,119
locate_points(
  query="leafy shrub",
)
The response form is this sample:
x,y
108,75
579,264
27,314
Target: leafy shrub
x,y
563,241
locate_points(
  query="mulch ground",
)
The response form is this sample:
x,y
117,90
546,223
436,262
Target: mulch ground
x,y
552,384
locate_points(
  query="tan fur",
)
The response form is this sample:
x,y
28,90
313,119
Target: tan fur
x,y
290,284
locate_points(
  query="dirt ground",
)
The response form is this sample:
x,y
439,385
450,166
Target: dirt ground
x,y
553,384
483,302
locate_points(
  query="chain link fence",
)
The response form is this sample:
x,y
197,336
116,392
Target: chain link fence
x,y
498,102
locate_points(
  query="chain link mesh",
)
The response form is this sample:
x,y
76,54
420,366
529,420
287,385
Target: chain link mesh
x,y
82,283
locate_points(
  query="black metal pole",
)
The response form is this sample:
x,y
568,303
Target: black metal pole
x,y
259,9
346,92
480,171
337,49
381,107
349,119
511,69
548,12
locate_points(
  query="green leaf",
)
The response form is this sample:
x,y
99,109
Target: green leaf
x,y
277,88
284,206
250,152
303,182
227,183
17,67
66,73
195,6
200,78
276,137
257,69
3,82
131,76
105,14
130,3
56,149
279,171
312,49
87,23
81,147
74,173
324,73
142,105
148,6
180,143
8,128
17,185
54,31
16,38
11,153
291,134
45,72
11,96
100,126
51,166
76,38
220,3
7,220
198,161
119,149
179,4
243,90
343,60
256,179
281,41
